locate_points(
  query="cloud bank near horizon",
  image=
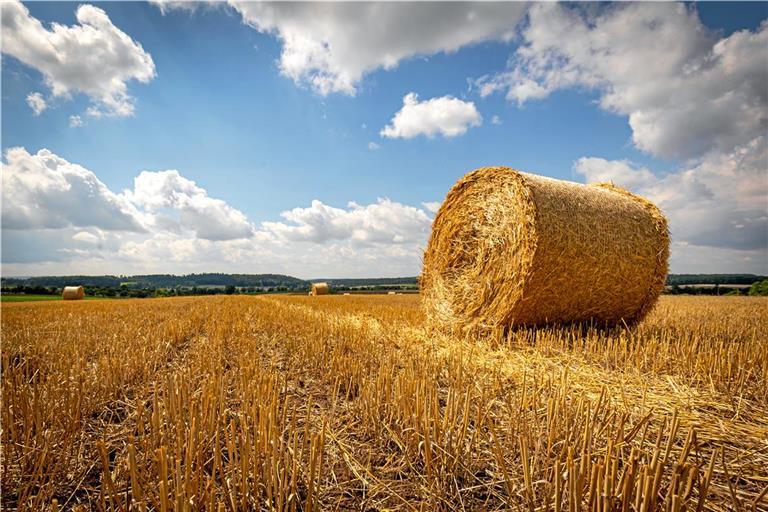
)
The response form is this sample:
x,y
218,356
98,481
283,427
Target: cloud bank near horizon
x,y
167,223
59,217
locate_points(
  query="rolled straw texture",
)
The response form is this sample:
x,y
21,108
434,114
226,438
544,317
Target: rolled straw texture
x,y
73,293
514,249
320,289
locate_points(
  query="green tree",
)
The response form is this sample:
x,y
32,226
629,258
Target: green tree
x,y
759,288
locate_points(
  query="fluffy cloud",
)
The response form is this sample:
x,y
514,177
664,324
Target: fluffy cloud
x,y
166,6
446,116
695,259
385,222
43,190
683,90
58,217
87,237
330,46
37,103
619,172
52,252
93,57
178,203
75,121
688,94
719,202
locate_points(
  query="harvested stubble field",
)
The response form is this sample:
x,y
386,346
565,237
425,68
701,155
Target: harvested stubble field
x,y
350,403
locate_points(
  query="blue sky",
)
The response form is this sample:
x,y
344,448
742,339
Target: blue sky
x,y
228,97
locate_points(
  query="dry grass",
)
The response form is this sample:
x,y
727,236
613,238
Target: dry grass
x,y
342,403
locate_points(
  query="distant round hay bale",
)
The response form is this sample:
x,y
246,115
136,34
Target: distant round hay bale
x,y
514,249
73,293
320,289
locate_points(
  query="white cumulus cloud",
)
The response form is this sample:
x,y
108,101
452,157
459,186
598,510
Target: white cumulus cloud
x,y
43,190
59,218
619,172
37,103
720,202
75,121
93,57
446,116
178,203
87,237
684,90
331,46
383,222
688,93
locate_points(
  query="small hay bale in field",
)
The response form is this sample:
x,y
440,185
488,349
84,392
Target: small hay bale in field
x,y
391,293
511,249
320,289
73,293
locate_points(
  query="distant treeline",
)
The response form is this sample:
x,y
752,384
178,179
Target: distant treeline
x,y
163,285
153,281
274,280
154,285
133,293
683,279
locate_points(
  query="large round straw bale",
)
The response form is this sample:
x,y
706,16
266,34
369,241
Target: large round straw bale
x,y
514,249
73,293
320,289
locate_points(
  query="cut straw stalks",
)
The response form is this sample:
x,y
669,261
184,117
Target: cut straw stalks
x,y
288,403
